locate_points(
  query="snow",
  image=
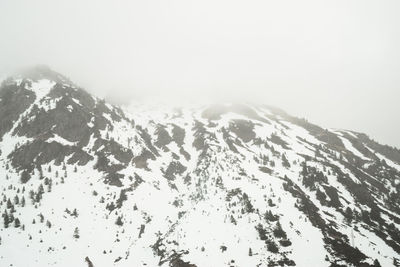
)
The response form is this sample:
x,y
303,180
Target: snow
x,y
77,101
41,87
352,149
201,218
388,161
370,244
59,139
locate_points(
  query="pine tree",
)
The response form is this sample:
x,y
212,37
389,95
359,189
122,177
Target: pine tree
x,y
349,214
119,221
50,185
25,177
6,219
38,197
40,189
285,162
39,167
278,231
74,213
272,163
9,204
250,252
39,193
304,171
11,217
376,263
271,246
12,210
270,217
76,233
17,223
262,233
16,200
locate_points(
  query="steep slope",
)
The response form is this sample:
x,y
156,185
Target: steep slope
x,y
84,182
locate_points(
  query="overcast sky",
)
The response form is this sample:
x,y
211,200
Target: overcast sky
x,y
336,63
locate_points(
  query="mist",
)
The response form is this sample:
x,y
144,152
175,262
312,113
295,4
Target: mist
x,y
336,63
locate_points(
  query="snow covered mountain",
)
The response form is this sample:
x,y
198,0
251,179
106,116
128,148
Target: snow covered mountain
x,y
86,183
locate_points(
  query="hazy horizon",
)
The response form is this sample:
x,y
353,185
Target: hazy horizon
x,y
334,63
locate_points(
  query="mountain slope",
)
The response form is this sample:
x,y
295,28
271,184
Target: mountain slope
x,y
84,182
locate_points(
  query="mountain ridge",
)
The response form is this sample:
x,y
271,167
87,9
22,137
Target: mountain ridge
x,y
221,185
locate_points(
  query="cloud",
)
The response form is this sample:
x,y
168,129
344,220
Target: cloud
x,y
336,62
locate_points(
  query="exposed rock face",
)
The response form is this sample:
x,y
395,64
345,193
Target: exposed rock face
x,y
222,185
15,99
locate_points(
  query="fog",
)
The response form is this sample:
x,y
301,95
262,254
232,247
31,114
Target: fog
x,y
337,63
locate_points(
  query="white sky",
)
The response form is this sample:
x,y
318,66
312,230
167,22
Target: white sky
x,y
336,63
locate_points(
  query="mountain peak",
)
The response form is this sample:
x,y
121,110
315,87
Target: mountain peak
x,y
41,72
